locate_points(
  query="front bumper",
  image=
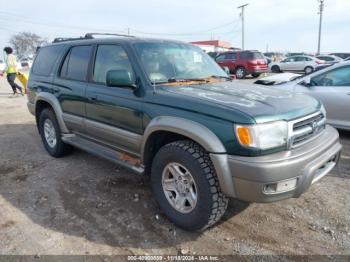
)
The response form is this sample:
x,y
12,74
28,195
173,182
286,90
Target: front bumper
x,y
249,176
31,108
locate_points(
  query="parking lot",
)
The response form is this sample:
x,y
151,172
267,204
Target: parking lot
x,y
82,204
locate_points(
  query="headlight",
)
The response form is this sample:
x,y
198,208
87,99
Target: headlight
x,y
262,136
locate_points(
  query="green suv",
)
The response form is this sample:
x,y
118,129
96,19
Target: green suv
x,y
165,109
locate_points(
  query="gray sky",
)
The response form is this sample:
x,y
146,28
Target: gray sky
x,y
283,25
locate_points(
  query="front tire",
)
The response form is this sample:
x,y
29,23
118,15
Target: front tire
x,y
51,134
186,187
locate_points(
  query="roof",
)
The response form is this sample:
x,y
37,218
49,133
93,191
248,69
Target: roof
x,y
114,39
217,43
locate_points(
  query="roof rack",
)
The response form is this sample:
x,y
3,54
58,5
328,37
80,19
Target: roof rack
x,y
63,39
87,36
91,35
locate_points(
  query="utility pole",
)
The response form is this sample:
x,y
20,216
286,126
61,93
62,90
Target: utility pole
x,y
242,16
320,26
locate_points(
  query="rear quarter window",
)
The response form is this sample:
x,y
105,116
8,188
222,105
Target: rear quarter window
x,y
46,59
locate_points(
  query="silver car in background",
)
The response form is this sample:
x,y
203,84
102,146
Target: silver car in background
x,y
331,59
298,63
330,85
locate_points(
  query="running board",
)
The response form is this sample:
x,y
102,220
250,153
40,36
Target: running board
x,y
117,157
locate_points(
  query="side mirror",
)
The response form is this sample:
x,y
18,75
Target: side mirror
x,y
306,82
120,78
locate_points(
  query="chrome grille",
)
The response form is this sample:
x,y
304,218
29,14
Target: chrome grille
x,y
305,129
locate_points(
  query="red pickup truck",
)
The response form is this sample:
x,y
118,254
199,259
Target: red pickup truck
x,y
242,63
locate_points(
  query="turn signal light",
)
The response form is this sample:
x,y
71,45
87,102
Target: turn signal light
x,y
243,135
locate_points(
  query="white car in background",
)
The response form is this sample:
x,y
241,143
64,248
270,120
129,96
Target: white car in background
x,y
298,63
330,85
26,62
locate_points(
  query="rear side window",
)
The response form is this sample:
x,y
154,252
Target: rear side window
x,y
76,63
220,57
45,59
232,56
251,55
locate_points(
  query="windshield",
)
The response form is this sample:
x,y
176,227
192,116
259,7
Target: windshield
x,y
165,62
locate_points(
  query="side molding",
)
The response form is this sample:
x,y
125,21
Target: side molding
x,y
53,101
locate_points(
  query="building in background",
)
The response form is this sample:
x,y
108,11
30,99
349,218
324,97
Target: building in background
x,y
213,45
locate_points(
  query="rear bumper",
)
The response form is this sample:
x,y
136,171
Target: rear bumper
x,y
257,69
249,176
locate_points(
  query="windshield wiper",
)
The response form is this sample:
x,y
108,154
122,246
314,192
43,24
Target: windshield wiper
x,y
172,80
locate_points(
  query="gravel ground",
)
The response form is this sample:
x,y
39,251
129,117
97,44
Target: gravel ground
x,y
82,204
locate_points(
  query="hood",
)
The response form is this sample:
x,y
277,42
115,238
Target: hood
x,y
261,103
277,79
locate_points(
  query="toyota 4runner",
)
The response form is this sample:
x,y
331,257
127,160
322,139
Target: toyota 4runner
x,y
167,110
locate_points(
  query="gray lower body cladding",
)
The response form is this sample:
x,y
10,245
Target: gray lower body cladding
x,y
249,176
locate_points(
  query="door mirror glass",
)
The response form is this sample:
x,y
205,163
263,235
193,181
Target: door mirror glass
x,y
120,78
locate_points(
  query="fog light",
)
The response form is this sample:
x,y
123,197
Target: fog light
x,y
283,186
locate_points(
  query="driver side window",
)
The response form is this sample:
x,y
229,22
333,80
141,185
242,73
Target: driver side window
x,y
337,77
110,57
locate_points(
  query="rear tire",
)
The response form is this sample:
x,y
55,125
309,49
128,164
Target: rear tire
x,y
51,134
240,72
275,69
204,202
308,70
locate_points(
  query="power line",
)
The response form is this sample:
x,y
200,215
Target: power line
x,y
201,32
22,19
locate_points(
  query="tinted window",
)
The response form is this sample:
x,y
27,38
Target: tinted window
x,y
232,56
337,77
325,58
300,59
220,58
251,55
76,63
45,59
110,57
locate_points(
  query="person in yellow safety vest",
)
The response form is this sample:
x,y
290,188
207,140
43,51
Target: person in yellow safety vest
x,y
11,71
